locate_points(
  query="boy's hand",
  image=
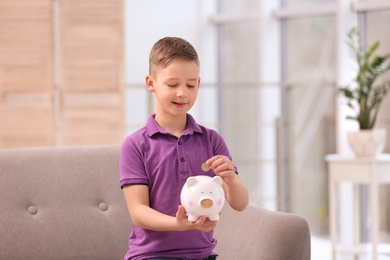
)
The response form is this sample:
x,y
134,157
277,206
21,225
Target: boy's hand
x,y
223,167
202,223
236,193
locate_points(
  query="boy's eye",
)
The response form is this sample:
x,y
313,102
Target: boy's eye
x,y
191,86
172,85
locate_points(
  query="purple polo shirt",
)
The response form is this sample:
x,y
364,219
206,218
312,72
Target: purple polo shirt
x,y
152,156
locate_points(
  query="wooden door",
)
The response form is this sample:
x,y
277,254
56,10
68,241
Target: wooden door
x,y
26,73
61,72
91,80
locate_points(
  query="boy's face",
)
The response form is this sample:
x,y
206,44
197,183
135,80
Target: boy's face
x,y
175,86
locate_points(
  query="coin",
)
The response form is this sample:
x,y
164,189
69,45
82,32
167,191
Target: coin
x,y
205,167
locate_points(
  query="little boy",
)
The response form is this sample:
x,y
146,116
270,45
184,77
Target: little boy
x,y
157,159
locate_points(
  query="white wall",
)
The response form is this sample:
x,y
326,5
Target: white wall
x,y
147,21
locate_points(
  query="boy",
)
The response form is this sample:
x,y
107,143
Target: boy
x,y
157,159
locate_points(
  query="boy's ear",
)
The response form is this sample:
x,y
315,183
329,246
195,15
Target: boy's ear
x,y
149,83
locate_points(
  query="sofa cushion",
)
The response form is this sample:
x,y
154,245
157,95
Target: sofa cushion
x,y
62,203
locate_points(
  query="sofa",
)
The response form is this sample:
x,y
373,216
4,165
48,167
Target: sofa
x,y
66,203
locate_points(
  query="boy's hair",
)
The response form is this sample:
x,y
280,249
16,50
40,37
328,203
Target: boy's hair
x,y
170,49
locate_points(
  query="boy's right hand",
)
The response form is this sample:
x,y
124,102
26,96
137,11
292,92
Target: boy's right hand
x,y
202,223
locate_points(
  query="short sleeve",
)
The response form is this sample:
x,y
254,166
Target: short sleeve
x,y
132,167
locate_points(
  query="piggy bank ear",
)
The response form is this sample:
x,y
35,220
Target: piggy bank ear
x,y
191,181
217,180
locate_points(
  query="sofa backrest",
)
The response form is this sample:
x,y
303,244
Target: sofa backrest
x,y
62,203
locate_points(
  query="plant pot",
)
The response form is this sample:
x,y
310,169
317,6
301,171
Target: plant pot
x,y
367,143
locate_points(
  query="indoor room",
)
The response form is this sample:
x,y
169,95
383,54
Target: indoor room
x,y
287,84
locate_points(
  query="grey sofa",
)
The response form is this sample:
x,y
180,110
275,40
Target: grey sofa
x,y
65,203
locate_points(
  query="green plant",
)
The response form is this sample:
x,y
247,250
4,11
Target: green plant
x,y
363,96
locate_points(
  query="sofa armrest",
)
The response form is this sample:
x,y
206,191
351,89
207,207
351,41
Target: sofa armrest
x,y
258,233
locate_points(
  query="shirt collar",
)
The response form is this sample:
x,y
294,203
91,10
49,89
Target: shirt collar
x,y
152,127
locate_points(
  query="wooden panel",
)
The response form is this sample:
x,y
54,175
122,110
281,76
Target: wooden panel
x,y
92,118
92,126
26,73
87,105
91,51
92,100
27,126
27,120
91,65
26,46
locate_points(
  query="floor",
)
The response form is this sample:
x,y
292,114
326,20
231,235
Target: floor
x,y
321,250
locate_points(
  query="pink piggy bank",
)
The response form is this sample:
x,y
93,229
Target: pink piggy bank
x,y
203,196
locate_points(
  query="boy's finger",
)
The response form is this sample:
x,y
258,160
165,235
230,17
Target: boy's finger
x,y
200,220
181,211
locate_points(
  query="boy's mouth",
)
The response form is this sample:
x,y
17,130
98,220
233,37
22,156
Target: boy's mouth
x,y
178,103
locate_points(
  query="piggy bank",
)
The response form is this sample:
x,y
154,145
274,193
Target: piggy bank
x,y
203,196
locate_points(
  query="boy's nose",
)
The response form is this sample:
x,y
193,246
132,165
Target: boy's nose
x,y
181,92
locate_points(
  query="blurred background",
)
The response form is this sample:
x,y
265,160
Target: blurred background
x,y
72,73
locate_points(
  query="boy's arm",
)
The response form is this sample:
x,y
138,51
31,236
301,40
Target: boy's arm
x,y
137,200
235,192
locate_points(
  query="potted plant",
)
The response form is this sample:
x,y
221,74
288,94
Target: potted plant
x,y
366,94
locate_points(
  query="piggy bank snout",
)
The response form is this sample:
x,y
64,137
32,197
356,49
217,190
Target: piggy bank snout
x,y
206,203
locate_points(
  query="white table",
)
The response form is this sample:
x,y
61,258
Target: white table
x,y
370,171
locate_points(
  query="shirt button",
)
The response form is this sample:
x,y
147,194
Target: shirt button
x,y
179,143
182,159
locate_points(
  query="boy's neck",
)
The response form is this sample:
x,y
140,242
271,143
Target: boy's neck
x,y
173,125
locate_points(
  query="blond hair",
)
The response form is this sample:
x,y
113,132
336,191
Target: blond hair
x,y
170,49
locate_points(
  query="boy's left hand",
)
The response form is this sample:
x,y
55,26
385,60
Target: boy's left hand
x,y
202,223
223,167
